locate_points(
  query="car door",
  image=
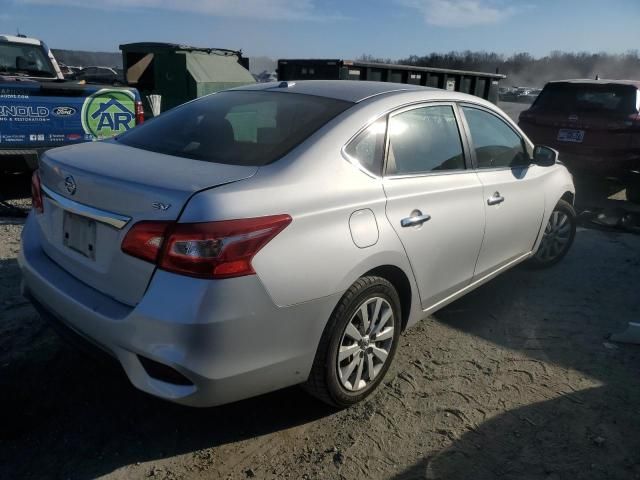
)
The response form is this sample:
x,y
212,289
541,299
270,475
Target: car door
x,y
434,202
513,188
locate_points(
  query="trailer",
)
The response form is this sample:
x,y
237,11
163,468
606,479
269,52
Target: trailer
x,y
480,84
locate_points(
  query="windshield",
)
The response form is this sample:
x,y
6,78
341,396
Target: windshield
x,y
25,59
236,127
575,97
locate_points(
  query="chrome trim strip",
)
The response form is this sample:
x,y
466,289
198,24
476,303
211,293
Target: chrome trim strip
x,y
108,218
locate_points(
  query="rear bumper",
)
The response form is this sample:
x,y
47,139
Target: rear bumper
x,y
604,163
226,337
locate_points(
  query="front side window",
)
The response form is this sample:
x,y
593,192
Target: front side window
x,y
368,147
424,139
236,127
496,145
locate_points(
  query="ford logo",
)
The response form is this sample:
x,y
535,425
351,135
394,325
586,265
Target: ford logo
x,y
64,111
70,185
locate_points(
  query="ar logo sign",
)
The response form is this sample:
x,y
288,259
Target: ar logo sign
x,y
108,112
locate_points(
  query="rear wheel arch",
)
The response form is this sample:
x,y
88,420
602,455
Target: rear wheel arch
x,y
398,278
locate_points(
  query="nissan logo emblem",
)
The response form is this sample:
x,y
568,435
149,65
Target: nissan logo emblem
x,y
70,185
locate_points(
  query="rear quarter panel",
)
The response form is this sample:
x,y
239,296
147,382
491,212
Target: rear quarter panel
x,y
315,256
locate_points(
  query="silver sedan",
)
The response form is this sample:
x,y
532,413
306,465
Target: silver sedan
x,y
286,233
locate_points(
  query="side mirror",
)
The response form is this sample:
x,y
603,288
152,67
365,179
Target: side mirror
x,y
544,156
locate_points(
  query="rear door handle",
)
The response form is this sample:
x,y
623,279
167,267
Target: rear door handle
x,y
416,218
495,199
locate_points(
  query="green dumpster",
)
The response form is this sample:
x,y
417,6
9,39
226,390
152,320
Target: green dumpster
x,y
168,74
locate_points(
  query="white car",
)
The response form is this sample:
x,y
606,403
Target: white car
x,y
286,233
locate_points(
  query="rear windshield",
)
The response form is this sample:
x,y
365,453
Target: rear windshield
x,y
588,98
236,127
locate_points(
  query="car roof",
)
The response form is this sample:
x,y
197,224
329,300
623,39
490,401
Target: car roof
x,y
603,81
348,90
19,39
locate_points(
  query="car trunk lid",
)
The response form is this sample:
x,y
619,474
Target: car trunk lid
x,y
95,192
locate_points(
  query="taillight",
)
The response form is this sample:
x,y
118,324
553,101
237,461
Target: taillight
x,y
139,113
634,119
36,192
207,250
145,239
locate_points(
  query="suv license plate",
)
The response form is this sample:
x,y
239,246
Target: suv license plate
x,y
79,234
567,135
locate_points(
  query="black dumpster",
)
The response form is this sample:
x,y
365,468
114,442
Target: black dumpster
x,y
481,84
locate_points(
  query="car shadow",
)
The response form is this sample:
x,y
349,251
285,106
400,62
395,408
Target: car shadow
x,y
58,403
15,185
578,432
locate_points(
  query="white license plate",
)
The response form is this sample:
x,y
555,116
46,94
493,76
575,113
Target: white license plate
x,y
79,234
567,135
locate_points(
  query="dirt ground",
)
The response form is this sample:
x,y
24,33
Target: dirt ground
x,y
515,381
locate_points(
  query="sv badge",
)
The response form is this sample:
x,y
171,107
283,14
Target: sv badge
x,y
161,206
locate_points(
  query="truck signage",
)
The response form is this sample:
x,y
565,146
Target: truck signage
x,y
23,113
108,112
64,111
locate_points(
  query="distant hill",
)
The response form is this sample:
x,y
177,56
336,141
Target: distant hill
x,y
84,59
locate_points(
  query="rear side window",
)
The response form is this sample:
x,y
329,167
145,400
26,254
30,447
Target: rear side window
x,y
423,140
368,147
236,127
576,97
496,145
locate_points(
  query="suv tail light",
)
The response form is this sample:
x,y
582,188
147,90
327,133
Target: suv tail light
x,y
634,119
206,250
36,192
139,113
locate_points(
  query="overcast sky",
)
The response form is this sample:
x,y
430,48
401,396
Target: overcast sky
x,y
331,28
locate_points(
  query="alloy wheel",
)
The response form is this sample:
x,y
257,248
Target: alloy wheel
x,y
556,237
366,344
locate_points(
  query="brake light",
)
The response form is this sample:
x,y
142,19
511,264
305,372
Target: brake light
x,y
139,113
635,119
36,192
221,249
145,239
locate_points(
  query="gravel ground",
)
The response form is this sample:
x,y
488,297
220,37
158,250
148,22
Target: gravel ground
x,y
515,381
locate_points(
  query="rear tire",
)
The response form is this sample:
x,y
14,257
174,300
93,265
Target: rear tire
x,y
358,343
557,237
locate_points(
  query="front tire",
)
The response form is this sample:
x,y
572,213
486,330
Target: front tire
x,y
358,344
633,192
557,237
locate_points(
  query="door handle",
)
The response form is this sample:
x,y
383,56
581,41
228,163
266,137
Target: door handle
x,y
416,218
495,199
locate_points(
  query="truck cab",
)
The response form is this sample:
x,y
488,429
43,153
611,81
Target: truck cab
x,y
24,57
40,110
